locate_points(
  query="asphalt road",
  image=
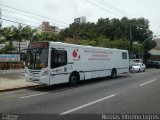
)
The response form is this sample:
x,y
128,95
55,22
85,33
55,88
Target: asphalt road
x,y
133,93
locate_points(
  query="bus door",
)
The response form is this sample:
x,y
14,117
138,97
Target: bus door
x,y
58,66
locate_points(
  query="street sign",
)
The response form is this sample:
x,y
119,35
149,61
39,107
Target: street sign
x,y
9,57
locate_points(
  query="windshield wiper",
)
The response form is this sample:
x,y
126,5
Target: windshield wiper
x,y
35,60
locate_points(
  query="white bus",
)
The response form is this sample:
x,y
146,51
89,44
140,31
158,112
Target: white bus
x,y
54,62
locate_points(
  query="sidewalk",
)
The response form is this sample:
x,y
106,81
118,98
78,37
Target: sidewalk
x,y
11,71
13,81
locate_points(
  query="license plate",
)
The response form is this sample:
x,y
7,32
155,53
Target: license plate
x,y
34,79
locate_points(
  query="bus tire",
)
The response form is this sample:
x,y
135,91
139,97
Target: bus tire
x,y
113,73
74,79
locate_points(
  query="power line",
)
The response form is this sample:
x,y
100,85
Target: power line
x,y
103,8
104,3
33,14
114,8
20,19
21,23
28,16
22,14
18,22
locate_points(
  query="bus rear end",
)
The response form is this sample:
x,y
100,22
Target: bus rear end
x,y
36,65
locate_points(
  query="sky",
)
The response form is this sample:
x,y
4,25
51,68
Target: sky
x,y
62,12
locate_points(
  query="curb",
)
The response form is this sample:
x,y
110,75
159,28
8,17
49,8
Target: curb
x,y
3,72
13,89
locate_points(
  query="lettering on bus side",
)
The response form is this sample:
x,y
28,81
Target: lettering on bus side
x,y
98,55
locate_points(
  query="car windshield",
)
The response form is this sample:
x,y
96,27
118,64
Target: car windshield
x,y
136,64
37,58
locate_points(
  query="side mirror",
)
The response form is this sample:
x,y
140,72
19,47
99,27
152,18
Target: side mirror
x,y
24,57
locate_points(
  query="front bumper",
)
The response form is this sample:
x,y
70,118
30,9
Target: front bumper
x,y
134,69
35,79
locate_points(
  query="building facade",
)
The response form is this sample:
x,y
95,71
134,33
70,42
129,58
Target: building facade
x,y
155,52
46,27
80,20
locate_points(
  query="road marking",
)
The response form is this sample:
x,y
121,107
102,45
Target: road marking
x,y
33,95
88,104
59,90
147,82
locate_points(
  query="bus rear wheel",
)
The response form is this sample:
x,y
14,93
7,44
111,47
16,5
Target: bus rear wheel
x,y
73,79
113,73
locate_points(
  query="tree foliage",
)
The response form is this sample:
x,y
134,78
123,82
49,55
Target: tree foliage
x,y
111,33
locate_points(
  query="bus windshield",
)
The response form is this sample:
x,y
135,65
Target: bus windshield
x,y
37,56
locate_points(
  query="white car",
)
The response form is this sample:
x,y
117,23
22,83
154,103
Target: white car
x,y
138,67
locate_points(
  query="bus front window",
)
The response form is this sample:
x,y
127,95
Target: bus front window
x,y
37,57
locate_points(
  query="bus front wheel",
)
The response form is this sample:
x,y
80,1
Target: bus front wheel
x,y
73,79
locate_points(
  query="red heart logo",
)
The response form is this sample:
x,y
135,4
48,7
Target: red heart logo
x,y
74,54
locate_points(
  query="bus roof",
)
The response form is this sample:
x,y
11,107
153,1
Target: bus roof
x,y
81,46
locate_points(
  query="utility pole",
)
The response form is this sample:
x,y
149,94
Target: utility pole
x,y
19,41
0,19
130,41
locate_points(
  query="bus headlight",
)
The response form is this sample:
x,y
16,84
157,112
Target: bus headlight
x,y
45,73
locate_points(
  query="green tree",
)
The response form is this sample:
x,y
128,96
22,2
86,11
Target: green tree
x,y
45,36
23,33
19,35
8,33
28,33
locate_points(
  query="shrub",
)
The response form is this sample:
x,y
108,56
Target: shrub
x,y
11,65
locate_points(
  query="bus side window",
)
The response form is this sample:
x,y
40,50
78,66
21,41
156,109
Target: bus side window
x,y
58,58
124,55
